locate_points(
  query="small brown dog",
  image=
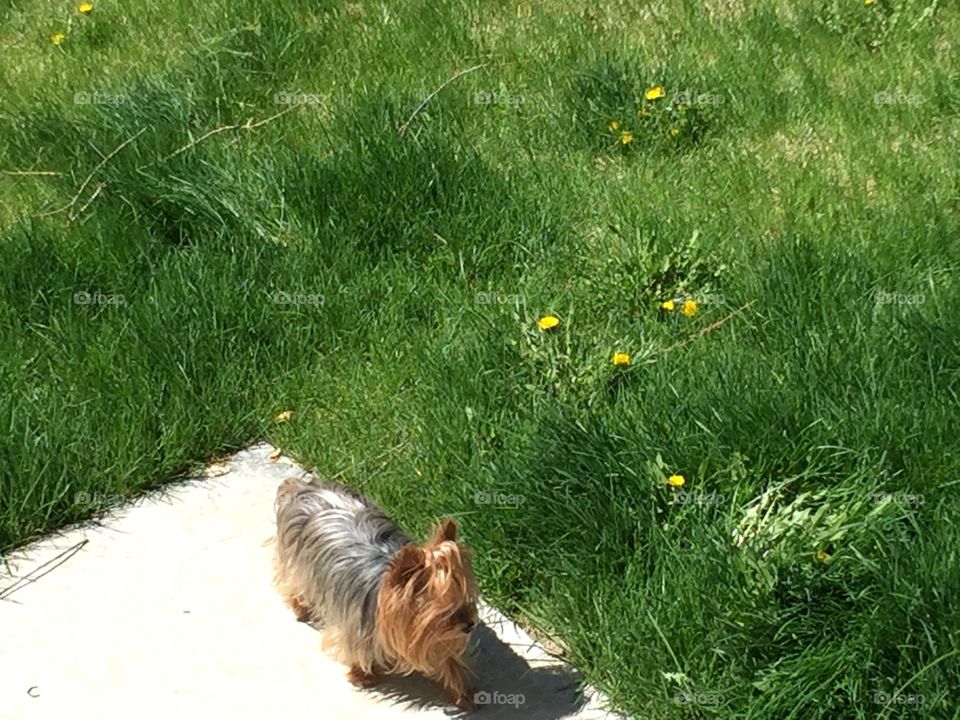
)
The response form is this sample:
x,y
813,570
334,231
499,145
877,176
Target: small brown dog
x,y
387,604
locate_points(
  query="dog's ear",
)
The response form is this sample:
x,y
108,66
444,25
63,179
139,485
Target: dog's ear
x,y
447,530
406,563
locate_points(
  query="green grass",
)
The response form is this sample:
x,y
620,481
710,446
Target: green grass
x,y
790,195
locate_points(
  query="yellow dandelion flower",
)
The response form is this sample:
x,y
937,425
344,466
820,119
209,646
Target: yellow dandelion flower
x,y
58,38
626,138
614,125
823,556
676,480
621,358
674,131
690,308
668,305
548,322
869,2
654,93
285,416
85,8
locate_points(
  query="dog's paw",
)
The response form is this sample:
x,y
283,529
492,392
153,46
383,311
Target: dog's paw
x,y
360,677
466,702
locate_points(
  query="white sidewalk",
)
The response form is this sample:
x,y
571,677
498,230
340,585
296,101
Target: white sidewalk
x,y
168,610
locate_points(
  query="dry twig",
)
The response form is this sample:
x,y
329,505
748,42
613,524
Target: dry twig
x,y
83,185
403,128
32,577
92,197
21,173
703,331
248,125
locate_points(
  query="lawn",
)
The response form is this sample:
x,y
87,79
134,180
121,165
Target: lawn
x,y
724,482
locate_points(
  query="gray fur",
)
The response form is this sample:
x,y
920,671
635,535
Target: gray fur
x,y
333,548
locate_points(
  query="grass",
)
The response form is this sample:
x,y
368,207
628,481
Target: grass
x,y
387,289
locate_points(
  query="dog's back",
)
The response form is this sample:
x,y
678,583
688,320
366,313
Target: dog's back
x,y
333,548
308,510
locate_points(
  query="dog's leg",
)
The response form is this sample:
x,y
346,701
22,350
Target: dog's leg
x,y
453,677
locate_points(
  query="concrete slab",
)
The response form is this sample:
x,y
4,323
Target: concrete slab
x,y
166,609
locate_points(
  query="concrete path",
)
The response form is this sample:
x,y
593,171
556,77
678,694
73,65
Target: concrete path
x,y
166,609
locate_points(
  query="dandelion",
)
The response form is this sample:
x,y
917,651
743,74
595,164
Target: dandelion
x,y
823,556
654,93
85,8
548,322
626,138
676,481
614,125
674,131
689,308
869,2
283,417
668,305
58,38
621,358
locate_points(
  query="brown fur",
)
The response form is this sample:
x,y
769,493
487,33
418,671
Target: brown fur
x,y
427,598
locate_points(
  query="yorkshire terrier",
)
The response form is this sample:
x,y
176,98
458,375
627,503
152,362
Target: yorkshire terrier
x,y
387,605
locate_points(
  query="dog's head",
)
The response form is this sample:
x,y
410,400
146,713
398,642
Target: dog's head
x,y
428,602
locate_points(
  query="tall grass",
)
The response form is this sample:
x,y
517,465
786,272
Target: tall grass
x,y
387,288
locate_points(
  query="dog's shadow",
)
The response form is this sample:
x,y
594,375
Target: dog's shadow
x,y
508,686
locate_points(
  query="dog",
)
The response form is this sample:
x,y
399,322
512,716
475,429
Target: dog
x,y
386,604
